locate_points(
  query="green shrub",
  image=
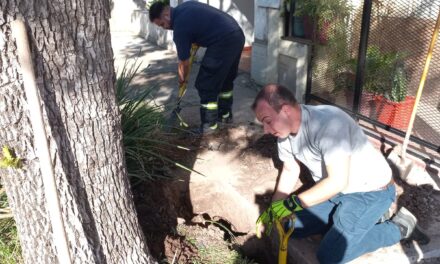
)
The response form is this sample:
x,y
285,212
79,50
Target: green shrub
x,y
384,74
323,11
145,142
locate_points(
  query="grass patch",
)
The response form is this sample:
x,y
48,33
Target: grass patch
x,y
220,255
210,244
10,250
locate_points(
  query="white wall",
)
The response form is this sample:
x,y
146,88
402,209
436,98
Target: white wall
x,y
241,10
275,60
125,16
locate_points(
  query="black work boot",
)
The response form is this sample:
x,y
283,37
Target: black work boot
x,y
204,130
225,118
225,100
407,224
208,119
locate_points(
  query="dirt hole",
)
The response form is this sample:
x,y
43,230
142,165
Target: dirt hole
x,y
173,233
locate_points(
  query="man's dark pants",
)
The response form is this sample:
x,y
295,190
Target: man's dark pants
x,y
216,75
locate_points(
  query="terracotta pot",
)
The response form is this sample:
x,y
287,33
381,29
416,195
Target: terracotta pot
x,y
368,105
323,33
348,98
310,30
394,114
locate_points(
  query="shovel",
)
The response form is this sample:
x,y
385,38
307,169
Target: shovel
x,y
175,114
284,237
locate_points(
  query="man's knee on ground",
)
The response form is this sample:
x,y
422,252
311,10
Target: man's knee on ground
x,y
331,256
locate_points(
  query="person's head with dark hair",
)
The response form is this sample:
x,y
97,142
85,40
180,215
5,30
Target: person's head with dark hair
x,y
277,109
160,14
276,95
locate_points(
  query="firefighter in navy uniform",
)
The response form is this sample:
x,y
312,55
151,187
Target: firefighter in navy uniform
x,y
197,23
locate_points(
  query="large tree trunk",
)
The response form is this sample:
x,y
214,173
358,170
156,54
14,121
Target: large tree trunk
x,y
73,61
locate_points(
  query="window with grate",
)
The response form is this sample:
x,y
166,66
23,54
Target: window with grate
x,y
312,19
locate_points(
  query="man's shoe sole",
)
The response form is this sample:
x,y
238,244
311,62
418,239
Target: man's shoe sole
x,y
420,236
405,219
417,233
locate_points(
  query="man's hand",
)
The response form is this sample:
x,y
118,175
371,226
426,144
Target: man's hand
x,y
183,70
277,210
264,222
283,208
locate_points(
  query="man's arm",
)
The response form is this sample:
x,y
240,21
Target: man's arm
x,y
287,181
325,189
183,69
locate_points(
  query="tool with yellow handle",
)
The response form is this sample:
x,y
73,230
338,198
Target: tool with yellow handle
x,y
182,90
409,130
284,236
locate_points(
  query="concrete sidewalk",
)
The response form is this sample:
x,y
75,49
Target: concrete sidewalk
x,y
159,69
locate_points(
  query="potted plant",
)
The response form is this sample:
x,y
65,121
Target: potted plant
x,y
295,23
393,105
384,89
386,79
319,16
379,67
344,81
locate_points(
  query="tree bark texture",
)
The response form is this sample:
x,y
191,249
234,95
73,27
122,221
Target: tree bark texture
x,y
73,61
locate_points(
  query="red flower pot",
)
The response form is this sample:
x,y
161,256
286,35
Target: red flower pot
x,y
394,114
311,32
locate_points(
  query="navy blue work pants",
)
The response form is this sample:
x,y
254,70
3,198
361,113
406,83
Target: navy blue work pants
x,y
217,72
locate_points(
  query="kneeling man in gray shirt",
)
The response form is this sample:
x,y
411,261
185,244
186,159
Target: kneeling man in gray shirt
x,y
354,186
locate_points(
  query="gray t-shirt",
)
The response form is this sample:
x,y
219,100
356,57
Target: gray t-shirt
x,y
327,134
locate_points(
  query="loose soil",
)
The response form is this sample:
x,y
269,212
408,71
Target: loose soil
x,y
164,209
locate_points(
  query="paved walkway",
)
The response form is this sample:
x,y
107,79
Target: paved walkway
x,y
159,69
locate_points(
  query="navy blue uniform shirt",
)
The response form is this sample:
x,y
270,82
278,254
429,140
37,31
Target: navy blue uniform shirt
x,y
194,22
